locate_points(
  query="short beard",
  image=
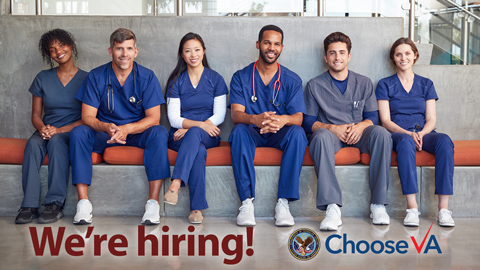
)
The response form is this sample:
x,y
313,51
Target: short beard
x,y
265,59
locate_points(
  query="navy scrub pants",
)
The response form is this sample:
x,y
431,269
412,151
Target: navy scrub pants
x,y
190,162
84,140
375,141
58,169
244,139
435,143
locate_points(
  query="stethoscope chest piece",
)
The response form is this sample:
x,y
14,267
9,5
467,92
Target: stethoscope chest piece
x,y
132,99
254,98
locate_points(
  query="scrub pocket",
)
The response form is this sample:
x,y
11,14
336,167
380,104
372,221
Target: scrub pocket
x,y
357,110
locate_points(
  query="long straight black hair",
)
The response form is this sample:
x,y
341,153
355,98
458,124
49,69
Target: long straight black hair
x,y
181,64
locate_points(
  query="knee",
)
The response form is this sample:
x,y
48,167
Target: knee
x,y
298,133
79,133
239,131
158,132
404,143
444,141
195,132
33,145
58,141
320,138
381,134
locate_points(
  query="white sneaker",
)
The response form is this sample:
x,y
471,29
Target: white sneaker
x,y
246,217
411,219
283,217
152,213
333,218
379,215
445,218
84,213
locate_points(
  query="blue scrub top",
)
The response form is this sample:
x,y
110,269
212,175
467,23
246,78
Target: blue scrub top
x,y
289,99
59,104
407,109
148,94
197,103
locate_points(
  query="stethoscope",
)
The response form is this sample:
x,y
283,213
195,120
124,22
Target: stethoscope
x,y
274,93
110,90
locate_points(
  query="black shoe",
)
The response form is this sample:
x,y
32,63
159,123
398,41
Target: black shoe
x,y
26,215
51,213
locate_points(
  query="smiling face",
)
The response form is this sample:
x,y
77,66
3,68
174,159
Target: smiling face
x,y
270,46
193,53
123,54
60,52
337,57
404,57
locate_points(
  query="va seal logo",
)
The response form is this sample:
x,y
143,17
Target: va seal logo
x,y
304,244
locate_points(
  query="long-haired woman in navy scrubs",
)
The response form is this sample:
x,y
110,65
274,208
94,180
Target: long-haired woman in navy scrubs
x,y
53,95
406,104
196,105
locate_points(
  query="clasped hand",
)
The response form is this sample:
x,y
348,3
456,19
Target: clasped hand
x,y
348,133
48,131
118,134
268,122
418,139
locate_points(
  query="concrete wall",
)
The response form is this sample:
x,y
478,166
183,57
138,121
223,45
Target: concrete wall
x,y
230,43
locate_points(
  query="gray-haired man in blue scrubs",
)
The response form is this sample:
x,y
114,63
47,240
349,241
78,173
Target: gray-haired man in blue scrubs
x,y
342,111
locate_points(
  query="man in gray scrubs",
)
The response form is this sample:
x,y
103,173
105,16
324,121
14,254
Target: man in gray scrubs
x,y
342,111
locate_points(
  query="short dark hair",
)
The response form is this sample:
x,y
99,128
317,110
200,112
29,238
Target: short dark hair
x,y
337,37
269,27
400,41
120,35
49,37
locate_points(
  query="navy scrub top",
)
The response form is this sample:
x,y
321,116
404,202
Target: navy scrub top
x,y
407,109
148,94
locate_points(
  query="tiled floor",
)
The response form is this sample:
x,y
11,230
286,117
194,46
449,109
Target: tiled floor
x,y
460,246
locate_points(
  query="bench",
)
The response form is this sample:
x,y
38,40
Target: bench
x,y
119,186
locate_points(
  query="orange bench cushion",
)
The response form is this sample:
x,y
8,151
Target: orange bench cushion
x,y
467,153
11,152
220,156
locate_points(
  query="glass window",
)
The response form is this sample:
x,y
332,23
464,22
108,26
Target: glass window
x,y
96,7
23,7
243,8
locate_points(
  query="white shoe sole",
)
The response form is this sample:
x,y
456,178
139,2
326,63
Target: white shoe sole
x,y
379,223
445,224
246,223
83,222
330,228
149,222
284,224
411,224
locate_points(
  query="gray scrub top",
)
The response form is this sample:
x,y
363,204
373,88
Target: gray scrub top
x,y
326,102
59,104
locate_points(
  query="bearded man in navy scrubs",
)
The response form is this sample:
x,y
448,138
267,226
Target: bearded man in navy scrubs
x,y
267,106
121,106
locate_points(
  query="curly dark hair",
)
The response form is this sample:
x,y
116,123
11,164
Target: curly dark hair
x,y
55,35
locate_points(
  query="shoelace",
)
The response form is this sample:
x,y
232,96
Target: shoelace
x,y
378,208
330,210
243,209
284,207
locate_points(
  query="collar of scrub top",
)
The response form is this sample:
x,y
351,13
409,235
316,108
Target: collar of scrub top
x,y
275,93
110,89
